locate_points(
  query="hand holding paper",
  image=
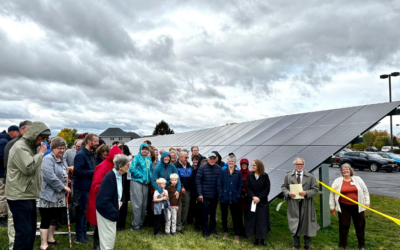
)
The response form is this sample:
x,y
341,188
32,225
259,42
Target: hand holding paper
x,y
296,189
253,206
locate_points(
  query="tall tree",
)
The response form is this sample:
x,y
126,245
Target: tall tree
x,y
69,135
162,128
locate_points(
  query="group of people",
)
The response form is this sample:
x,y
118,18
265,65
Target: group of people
x,y
166,193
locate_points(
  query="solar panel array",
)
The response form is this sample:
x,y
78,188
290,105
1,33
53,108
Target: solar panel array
x,y
314,136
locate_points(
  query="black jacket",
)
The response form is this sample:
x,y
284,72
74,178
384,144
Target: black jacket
x,y
207,179
107,198
4,140
257,223
84,166
7,151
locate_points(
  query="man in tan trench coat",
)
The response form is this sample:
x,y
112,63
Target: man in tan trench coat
x,y
301,214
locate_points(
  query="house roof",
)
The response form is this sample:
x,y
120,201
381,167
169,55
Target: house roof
x,y
117,132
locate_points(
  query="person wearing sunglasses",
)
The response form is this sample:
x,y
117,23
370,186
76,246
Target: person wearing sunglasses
x,y
185,174
301,212
24,182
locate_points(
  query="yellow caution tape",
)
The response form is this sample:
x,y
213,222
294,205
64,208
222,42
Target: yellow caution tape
x,y
397,221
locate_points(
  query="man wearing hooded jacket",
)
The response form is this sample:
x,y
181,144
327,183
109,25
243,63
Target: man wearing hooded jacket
x,y
24,182
23,128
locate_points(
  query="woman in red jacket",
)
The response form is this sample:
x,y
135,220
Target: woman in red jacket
x,y
100,171
244,170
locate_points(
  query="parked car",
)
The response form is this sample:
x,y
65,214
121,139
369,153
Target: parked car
x,y
393,156
388,148
373,161
371,149
338,156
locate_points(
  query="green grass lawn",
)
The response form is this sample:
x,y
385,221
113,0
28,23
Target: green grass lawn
x,y
381,233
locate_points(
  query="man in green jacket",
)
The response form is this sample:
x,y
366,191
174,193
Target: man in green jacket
x,y
24,182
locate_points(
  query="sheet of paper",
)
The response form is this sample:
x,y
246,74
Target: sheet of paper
x,y
296,189
253,206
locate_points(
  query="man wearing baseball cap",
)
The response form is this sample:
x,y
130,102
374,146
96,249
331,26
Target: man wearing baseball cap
x,y
5,137
206,182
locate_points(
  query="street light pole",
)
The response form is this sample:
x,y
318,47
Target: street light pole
x,y
390,100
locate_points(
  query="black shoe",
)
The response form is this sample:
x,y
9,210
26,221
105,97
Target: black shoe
x,y
215,233
4,221
181,232
173,234
81,241
135,229
206,236
88,238
262,242
120,229
256,243
96,247
158,235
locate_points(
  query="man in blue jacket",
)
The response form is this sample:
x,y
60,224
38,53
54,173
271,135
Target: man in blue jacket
x,y
185,172
84,165
206,182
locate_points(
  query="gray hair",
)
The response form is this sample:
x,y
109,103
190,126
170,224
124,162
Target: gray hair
x,y
162,150
57,142
347,165
76,142
23,124
120,161
299,158
186,150
231,157
181,154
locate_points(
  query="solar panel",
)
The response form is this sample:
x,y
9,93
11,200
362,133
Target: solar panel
x,y
213,133
221,140
259,153
279,156
274,129
277,141
342,134
241,151
215,148
242,132
225,130
187,135
252,133
191,141
226,150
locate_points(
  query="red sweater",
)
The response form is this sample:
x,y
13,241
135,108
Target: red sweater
x,y
243,196
350,191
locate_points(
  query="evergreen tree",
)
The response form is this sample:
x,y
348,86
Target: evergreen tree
x,y
162,128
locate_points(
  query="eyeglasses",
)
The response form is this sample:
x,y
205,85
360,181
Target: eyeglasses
x,y
299,164
186,157
61,149
43,137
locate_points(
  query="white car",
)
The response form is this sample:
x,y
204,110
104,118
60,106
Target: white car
x,y
387,148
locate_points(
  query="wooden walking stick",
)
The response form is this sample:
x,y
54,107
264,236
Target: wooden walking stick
x,y
69,224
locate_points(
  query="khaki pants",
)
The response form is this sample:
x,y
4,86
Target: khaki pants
x,y
170,225
11,230
107,232
3,199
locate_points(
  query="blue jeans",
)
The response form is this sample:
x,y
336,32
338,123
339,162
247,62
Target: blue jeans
x,y
212,211
81,223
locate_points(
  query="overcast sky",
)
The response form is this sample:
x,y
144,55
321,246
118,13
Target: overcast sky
x,y
91,65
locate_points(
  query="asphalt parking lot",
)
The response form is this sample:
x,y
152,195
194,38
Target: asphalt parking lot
x,y
379,183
